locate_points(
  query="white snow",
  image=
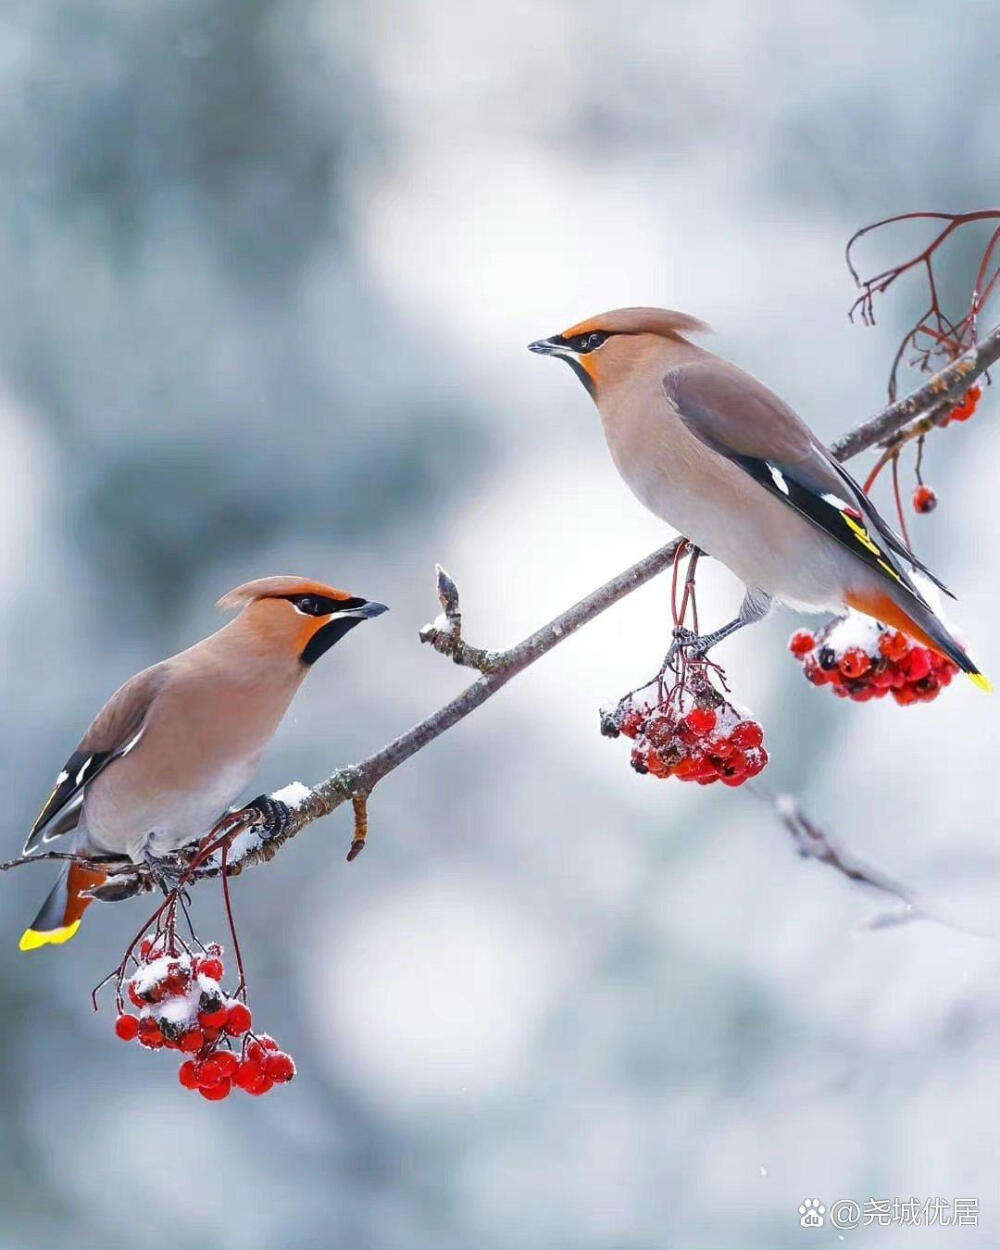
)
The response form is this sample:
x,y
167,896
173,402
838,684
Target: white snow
x,y
293,795
151,974
245,843
854,630
177,1009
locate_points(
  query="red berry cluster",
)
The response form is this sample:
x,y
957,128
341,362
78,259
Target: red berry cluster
x,y
181,1006
699,738
861,659
924,498
967,407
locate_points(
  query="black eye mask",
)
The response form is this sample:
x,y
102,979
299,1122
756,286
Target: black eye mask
x,y
584,343
323,605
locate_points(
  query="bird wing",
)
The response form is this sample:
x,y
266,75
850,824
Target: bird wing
x,y
736,416
114,732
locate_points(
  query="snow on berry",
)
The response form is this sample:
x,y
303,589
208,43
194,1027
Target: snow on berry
x,y
691,732
861,659
183,1007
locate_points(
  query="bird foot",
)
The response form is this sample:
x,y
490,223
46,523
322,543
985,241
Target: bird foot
x,y
689,644
269,817
164,871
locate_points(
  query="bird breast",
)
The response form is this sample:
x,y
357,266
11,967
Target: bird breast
x,y
199,749
717,505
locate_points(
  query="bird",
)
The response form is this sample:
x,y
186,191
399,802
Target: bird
x,y
176,744
721,458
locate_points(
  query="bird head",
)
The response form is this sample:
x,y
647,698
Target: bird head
x,y
605,349
294,613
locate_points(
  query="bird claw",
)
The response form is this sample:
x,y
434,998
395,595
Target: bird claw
x,y
687,643
269,817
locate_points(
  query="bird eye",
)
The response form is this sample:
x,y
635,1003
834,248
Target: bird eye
x,y
584,343
309,604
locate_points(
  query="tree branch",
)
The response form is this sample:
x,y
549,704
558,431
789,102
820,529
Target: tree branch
x,y
356,782
930,403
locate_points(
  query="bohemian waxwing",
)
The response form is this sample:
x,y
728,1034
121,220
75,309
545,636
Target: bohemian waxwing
x,y
721,458
174,746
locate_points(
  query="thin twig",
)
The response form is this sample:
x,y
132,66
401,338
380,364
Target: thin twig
x,y
929,402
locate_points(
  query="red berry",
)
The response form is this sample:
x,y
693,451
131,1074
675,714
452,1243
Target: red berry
x,y
632,723
127,1027
700,720
215,1093
924,499
212,968
134,996
894,645
188,1074
279,1067
259,1084
747,735
267,1041
210,1071
968,405
145,948
213,1019
227,1063
720,748
247,1071
818,676
660,731
855,663
192,1041
707,771
801,643
918,664
756,761
238,1020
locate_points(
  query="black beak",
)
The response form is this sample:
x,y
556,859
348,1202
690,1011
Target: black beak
x,y
366,611
548,347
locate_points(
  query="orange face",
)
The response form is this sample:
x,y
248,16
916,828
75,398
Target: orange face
x,y
607,346
294,614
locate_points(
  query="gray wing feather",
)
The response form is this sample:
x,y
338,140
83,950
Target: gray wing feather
x,y
114,731
739,418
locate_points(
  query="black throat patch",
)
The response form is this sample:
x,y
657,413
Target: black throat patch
x,y
327,636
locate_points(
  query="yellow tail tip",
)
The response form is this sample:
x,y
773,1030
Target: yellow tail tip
x,y
982,682
32,939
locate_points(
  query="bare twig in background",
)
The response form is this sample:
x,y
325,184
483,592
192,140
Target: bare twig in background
x,y
934,336
813,842
356,782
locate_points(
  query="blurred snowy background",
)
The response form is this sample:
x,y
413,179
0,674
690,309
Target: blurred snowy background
x,y
269,269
